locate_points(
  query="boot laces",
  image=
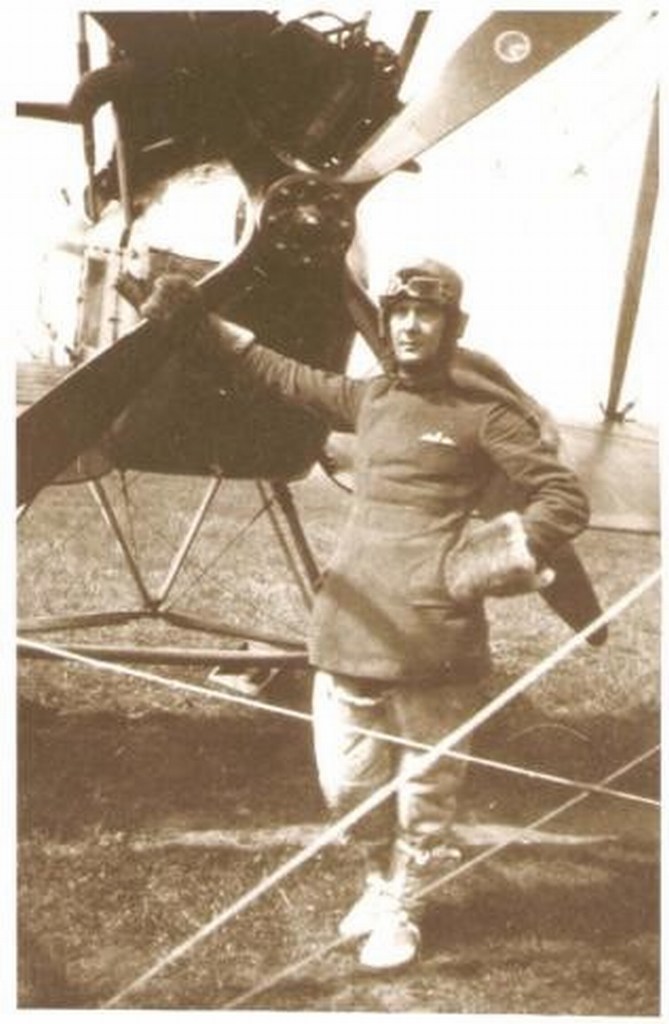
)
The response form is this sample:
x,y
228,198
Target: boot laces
x,y
419,869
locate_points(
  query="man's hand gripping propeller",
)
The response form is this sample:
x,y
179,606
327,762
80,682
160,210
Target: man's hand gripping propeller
x,y
174,303
491,560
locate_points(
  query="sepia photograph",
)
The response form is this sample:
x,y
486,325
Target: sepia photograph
x,y
334,350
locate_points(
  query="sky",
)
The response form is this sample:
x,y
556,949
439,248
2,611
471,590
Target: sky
x,y
533,202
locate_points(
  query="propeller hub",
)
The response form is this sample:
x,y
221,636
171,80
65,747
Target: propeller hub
x,y
307,220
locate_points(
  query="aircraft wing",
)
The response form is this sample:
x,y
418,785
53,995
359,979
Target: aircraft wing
x,y
618,464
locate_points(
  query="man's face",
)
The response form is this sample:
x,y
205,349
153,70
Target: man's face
x,y
418,332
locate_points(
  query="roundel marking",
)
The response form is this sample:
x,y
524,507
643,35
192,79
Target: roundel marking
x,y
513,46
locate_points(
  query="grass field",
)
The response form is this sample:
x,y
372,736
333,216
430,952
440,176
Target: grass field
x,y
144,811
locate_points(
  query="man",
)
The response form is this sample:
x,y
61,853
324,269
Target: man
x,y
399,638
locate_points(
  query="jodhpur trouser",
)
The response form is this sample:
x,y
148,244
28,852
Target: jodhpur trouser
x,y
352,766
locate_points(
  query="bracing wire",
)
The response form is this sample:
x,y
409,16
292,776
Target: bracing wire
x,y
504,766
201,571
592,788
297,965
254,704
340,827
129,512
204,570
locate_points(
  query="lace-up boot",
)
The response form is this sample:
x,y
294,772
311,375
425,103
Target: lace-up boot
x,y
395,939
368,908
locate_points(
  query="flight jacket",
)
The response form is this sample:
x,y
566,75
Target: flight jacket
x,y
425,452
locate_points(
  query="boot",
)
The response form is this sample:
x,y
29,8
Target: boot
x,y
365,912
361,918
395,938
393,942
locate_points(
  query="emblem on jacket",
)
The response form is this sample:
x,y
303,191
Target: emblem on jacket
x,y
438,437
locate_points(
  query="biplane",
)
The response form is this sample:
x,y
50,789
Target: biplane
x,y
287,127
295,121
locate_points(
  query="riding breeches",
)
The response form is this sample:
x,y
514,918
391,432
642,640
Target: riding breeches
x,y
352,765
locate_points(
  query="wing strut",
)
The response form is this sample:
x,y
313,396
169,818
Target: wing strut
x,y
636,265
412,39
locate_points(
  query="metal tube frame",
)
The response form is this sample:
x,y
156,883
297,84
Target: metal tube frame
x,y
238,656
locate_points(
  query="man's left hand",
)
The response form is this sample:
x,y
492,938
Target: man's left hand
x,y
494,560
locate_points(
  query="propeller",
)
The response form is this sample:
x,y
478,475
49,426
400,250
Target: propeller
x,y
506,50
73,415
302,218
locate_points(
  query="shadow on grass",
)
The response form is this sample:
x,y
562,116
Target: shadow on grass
x,y
106,769
557,948
78,771
552,930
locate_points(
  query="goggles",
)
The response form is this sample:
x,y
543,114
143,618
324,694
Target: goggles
x,y
425,289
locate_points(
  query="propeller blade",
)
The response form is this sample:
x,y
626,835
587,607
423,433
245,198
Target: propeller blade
x,y
506,50
363,310
74,414
572,595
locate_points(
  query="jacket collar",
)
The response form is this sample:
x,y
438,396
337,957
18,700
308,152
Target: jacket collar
x,y
430,377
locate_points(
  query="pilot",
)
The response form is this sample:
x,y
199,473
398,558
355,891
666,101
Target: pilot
x,y
399,636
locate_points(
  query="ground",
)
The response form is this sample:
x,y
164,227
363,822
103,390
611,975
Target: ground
x,y
144,812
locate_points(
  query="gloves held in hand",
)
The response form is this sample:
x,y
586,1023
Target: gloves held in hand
x,y
494,560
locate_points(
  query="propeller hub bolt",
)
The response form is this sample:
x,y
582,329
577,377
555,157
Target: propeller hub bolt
x,y
308,219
